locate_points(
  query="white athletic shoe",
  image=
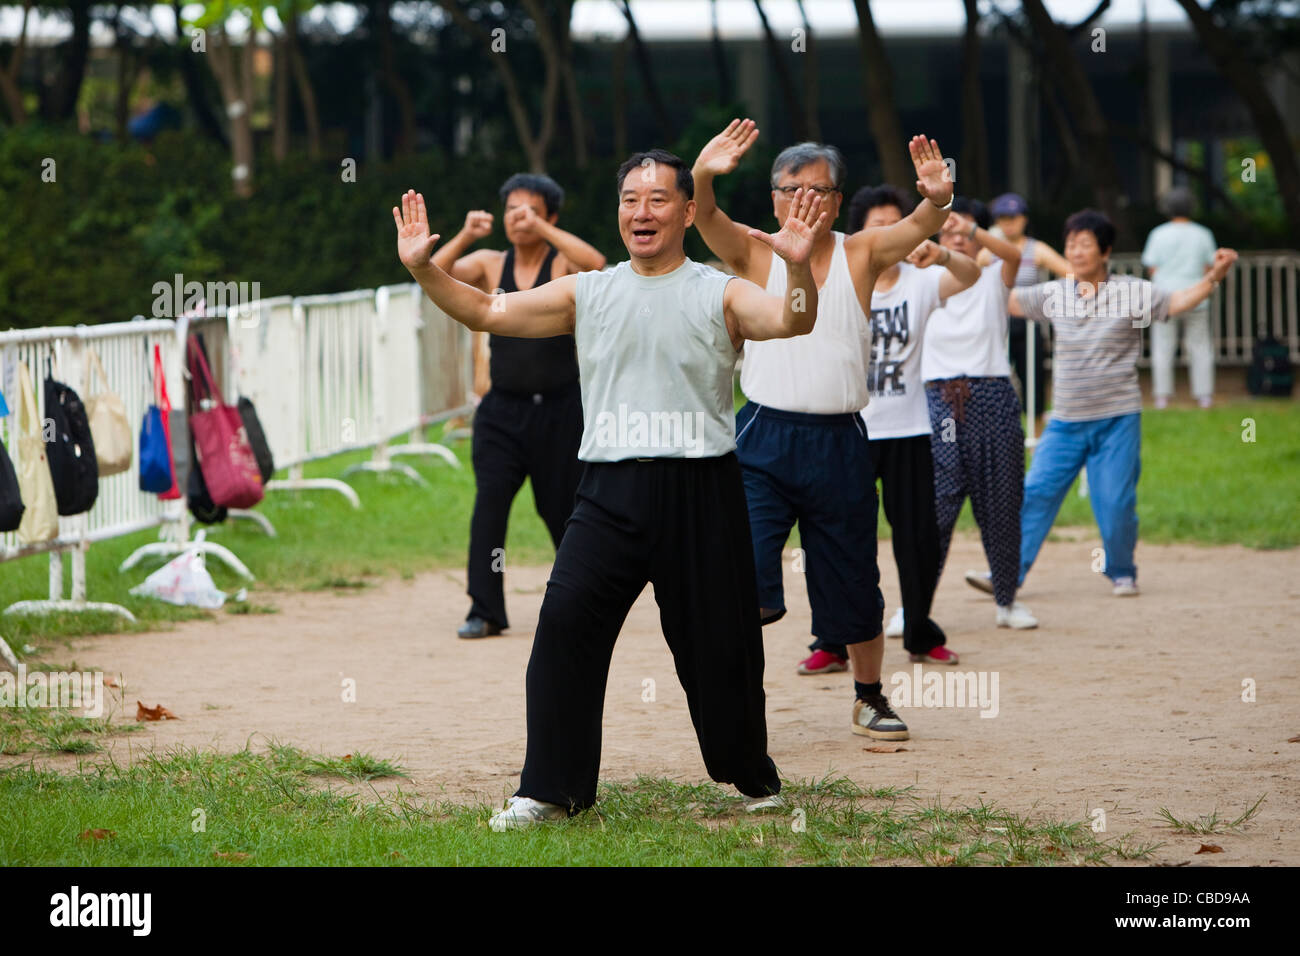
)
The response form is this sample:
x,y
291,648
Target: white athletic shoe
x,y
895,628
1125,587
980,581
1016,617
772,801
524,812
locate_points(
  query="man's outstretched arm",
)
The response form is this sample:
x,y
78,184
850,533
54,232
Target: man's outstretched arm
x,y
887,245
754,314
541,312
729,241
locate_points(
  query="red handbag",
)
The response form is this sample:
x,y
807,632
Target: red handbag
x,y
225,457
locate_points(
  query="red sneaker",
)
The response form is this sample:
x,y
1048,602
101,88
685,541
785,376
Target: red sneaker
x,y
822,662
936,655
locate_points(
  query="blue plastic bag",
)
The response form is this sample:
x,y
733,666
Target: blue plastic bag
x,y
155,456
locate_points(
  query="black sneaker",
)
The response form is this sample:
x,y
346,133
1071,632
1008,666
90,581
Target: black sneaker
x,y
477,627
874,717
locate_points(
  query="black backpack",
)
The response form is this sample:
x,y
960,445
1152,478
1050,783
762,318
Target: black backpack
x,y
71,452
1270,371
11,499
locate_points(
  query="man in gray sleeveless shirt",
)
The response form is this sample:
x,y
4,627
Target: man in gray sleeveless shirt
x,y
661,498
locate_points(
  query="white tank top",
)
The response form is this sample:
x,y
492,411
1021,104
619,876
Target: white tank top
x,y
825,371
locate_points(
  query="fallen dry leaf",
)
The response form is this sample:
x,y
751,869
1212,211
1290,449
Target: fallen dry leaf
x,y
347,756
944,860
153,713
110,682
1294,740
397,856
1209,848
884,749
97,834
220,855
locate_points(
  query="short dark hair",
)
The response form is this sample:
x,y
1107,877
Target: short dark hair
x,y
1178,201
873,197
973,208
1095,222
544,186
685,181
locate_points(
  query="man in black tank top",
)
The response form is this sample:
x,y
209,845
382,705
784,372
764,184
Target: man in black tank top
x,y
529,422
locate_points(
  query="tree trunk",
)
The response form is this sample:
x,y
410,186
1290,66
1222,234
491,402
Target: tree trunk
x,y
720,59
396,86
1090,121
280,114
974,171
534,147
1233,62
125,76
648,76
232,72
11,71
557,71
193,80
61,102
577,115
302,81
811,88
793,107
878,83
618,93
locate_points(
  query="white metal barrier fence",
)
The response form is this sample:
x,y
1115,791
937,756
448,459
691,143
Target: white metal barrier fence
x,y
126,351
327,374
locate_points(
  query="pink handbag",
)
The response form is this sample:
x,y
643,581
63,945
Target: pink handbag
x,y
225,457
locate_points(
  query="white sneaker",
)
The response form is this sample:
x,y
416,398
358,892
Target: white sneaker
x,y
980,581
895,628
525,811
1125,587
772,801
1016,617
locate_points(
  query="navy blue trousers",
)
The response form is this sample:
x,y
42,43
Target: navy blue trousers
x,y
814,470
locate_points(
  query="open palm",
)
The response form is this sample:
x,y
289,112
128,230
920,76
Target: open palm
x,y
933,181
414,244
806,222
721,154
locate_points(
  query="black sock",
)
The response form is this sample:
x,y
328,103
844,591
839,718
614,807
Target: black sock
x,y
866,690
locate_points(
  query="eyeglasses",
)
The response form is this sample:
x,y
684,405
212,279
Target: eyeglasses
x,y
819,190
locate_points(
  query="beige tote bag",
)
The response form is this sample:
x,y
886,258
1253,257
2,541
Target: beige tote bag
x,y
41,519
109,426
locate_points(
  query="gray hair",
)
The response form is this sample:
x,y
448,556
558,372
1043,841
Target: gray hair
x,y
1178,201
795,158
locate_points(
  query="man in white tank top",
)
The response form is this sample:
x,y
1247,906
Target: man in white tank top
x,y
661,498
800,440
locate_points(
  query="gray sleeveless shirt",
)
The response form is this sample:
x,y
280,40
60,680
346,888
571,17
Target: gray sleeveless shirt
x,y
656,364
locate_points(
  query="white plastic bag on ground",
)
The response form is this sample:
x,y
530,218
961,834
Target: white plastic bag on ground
x,y
182,580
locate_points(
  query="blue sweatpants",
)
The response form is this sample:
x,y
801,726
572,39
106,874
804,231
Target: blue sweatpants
x,y
816,470
1111,450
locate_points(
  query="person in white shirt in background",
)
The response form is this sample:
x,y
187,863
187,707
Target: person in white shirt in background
x,y
976,436
1010,214
1179,253
898,418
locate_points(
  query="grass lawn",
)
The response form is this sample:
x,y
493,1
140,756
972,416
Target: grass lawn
x,y
284,808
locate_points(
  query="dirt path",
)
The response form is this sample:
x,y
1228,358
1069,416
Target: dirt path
x,y
1124,705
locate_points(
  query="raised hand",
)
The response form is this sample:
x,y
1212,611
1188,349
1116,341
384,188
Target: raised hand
x,y
523,217
722,153
478,224
414,244
926,254
805,224
932,179
1223,261
959,223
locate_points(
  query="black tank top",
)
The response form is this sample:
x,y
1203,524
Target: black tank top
x,y
529,366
